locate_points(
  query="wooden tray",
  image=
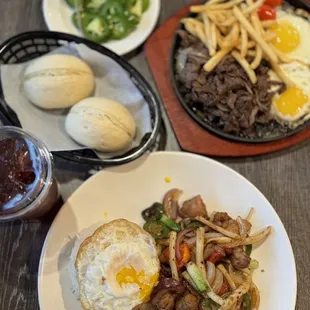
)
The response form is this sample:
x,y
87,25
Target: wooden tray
x,y
191,136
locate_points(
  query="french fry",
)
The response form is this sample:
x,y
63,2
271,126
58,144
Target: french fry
x,y
245,65
207,28
224,30
244,42
253,7
250,45
269,36
196,28
258,57
223,6
257,25
203,7
253,33
245,12
231,40
214,61
198,8
219,37
268,23
215,1
251,53
213,36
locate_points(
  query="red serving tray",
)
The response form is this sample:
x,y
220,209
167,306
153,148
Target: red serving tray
x,y
192,137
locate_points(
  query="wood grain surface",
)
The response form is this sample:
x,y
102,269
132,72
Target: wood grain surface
x,y
283,177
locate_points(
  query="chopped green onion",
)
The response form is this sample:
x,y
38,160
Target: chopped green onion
x,y
170,223
254,264
188,278
197,277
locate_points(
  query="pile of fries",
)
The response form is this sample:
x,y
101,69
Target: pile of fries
x,y
233,27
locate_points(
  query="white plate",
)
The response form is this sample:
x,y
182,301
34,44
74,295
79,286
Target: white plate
x,y
123,192
57,15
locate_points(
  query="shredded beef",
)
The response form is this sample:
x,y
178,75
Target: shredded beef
x,y
224,97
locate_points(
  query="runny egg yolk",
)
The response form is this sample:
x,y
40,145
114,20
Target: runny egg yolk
x,y
287,39
291,101
130,275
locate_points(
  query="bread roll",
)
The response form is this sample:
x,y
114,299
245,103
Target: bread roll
x,y
101,124
58,81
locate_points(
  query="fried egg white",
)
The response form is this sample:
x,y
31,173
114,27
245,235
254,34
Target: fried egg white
x,y
292,107
117,267
292,36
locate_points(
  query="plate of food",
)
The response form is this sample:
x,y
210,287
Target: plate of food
x,y
167,231
119,25
241,68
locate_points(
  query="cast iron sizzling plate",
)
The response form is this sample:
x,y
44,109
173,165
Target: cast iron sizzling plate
x,y
30,45
270,133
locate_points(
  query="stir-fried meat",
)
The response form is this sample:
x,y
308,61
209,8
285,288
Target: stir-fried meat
x,y
165,301
224,220
147,306
187,302
221,217
225,97
239,259
194,207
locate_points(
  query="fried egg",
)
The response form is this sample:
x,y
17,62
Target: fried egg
x,y
292,107
117,267
292,36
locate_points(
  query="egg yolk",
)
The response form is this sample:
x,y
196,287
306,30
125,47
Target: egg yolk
x,y
287,38
291,101
130,275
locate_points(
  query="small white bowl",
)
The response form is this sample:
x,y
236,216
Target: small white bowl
x,y
57,15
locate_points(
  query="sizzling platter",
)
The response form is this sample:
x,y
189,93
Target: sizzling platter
x,y
235,92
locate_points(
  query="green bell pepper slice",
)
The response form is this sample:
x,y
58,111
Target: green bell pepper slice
x,y
246,302
170,223
157,229
120,26
112,7
95,28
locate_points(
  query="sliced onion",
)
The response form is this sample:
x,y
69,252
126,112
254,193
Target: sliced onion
x,y
218,281
210,272
237,277
191,241
179,241
191,234
207,253
213,235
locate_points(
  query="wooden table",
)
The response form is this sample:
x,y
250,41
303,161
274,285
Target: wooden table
x,y
283,177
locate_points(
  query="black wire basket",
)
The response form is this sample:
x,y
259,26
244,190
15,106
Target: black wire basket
x,y
30,45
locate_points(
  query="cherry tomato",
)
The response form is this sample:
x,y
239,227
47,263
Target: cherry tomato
x,y
224,288
215,257
265,12
273,3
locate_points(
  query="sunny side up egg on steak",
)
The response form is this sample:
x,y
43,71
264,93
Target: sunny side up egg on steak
x,y
292,107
